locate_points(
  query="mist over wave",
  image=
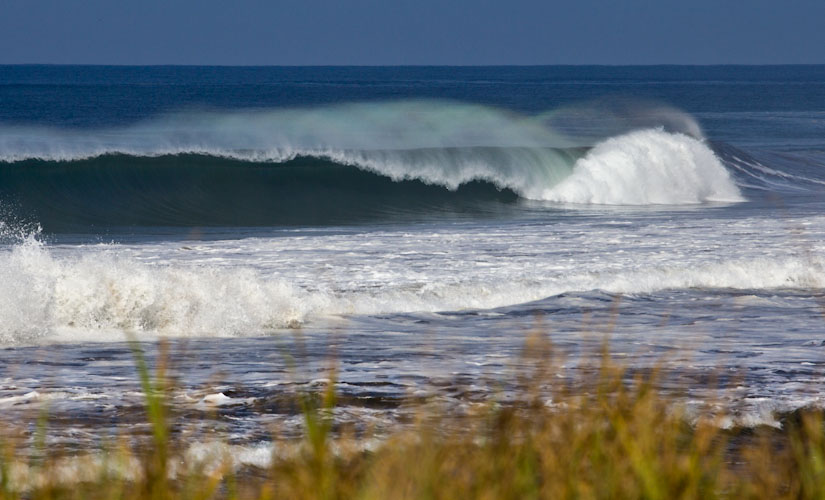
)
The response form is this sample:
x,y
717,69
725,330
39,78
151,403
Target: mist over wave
x,y
279,134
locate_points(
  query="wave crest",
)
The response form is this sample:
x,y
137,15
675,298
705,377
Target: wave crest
x,y
647,167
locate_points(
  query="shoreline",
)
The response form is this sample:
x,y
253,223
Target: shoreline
x,y
553,437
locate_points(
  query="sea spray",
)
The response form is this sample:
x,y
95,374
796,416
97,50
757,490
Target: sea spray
x,y
647,167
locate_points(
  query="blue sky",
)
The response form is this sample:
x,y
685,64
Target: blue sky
x,y
368,32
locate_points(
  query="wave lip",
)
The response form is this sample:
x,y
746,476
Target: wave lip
x,y
647,167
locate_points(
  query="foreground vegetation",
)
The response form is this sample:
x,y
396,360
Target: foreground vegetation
x,y
606,436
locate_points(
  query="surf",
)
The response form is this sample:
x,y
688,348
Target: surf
x,y
347,164
103,292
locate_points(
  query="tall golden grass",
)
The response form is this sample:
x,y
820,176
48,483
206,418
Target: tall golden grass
x,y
606,436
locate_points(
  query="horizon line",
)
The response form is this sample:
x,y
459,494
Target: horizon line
x,y
605,65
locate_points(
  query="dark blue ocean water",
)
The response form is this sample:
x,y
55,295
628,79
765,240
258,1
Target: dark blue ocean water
x,y
92,96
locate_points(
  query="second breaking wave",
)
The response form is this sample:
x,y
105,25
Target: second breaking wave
x,y
103,291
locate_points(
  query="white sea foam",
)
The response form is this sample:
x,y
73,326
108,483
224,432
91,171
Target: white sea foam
x,y
211,455
221,399
100,291
647,167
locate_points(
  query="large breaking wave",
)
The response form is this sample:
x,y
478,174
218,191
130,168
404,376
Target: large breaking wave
x,y
345,163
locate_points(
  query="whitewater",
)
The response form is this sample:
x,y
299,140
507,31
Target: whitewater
x,y
102,291
415,231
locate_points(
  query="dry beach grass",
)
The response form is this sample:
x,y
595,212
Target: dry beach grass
x,y
608,435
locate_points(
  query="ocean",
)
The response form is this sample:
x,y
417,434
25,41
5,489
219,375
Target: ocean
x,y
407,229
